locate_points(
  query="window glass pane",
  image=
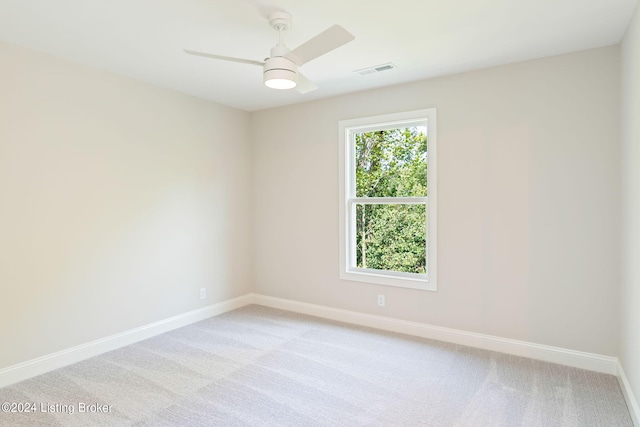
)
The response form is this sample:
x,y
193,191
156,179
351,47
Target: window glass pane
x,y
391,237
391,163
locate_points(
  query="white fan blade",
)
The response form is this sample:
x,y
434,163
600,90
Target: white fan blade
x,y
324,42
224,58
304,84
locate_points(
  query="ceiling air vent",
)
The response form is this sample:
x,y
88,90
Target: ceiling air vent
x,y
376,69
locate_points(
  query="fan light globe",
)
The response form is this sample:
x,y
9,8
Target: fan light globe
x,y
280,73
280,84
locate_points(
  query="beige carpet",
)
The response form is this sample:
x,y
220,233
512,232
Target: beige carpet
x,y
262,367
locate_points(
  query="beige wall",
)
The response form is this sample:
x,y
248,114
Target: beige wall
x,y
528,208
118,201
630,337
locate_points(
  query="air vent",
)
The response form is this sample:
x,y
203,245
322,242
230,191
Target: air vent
x,y
376,69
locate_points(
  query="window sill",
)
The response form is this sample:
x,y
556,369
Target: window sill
x,y
379,277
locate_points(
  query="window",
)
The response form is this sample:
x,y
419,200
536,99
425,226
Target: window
x,y
388,199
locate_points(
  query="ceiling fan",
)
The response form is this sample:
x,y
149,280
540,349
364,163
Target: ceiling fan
x,y
280,69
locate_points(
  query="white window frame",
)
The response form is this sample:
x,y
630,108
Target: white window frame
x,y
348,201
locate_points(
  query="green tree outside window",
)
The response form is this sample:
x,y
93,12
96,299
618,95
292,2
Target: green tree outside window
x,y
391,163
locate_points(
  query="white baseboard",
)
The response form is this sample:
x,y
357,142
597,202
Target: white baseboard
x,y
632,403
41,365
590,361
577,359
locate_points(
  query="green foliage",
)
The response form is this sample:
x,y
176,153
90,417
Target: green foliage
x,y
391,163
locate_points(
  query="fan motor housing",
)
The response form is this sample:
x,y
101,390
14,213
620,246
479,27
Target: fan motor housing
x,y
280,73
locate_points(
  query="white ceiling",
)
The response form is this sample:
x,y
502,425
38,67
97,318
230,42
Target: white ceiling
x,y
144,39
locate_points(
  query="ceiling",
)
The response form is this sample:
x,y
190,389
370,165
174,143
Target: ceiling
x,y
144,39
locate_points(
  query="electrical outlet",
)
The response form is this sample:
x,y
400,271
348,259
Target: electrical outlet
x,y
381,301
203,293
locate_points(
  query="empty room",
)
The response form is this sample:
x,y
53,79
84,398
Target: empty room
x,y
320,213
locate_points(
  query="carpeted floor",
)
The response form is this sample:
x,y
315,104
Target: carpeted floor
x,y
262,367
